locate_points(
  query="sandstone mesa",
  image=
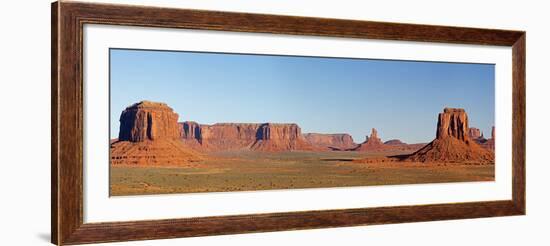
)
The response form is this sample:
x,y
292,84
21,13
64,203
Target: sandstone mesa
x,y
338,141
149,135
267,137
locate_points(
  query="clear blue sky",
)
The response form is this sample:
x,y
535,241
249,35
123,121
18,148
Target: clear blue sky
x,y
401,99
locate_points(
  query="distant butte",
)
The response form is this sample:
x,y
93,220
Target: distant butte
x,y
490,143
338,141
477,136
394,142
474,133
372,142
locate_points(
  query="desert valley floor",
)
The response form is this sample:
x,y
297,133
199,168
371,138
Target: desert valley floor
x,y
247,171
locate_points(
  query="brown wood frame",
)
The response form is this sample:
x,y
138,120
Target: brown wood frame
x,y
68,19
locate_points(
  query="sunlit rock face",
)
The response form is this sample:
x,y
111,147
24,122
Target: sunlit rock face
x,y
148,121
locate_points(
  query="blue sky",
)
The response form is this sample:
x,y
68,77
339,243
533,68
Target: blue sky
x,y
401,99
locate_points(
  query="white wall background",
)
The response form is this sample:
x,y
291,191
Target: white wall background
x,y
25,121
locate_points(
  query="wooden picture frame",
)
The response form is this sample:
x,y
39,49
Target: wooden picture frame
x,y
68,19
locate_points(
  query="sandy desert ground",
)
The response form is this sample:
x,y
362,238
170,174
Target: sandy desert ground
x,y
248,170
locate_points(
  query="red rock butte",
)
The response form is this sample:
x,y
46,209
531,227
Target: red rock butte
x,y
148,121
453,122
372,142
149,135
491,141
452,143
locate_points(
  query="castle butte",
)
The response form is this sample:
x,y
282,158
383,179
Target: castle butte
x,y
149,135
452,142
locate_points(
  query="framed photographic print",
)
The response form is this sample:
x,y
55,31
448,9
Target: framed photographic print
x,y
177,123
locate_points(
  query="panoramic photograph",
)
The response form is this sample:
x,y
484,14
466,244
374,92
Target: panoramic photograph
x,y
190,122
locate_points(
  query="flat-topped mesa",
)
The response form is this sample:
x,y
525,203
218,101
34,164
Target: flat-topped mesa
x,y
272,131
280,137
148,121
337,141
219,136
190,130
453,122
394,142
229,131
244,136
228,136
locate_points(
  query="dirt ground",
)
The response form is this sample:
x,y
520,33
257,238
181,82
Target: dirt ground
x,y
248,171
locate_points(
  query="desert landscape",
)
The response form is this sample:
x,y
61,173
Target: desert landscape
x,y
156,154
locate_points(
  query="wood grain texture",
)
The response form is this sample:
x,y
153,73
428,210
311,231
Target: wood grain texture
x,y
54,125
261,23
518,123
146,230
68,19
68,139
